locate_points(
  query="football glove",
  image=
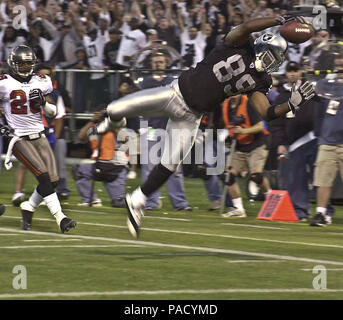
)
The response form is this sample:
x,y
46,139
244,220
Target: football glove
x,y
300,96
283,19
36,98
5,130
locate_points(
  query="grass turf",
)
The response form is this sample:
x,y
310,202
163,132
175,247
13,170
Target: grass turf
x,y
179,255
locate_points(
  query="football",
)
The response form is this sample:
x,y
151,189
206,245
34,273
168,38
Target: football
x,y
296,32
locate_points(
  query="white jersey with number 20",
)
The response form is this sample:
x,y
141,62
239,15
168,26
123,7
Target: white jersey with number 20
x,y
14,96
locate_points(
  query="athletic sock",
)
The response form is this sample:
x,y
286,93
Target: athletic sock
x,y
35,199
138,198
238,203
54,206
321,210
157,177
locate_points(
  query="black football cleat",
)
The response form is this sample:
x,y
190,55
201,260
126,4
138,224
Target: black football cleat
x,y
2,209
66,224
319,221
18,198
26,222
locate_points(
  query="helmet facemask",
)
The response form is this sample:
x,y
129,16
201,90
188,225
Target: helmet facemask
x,y
22,61
270,52
265,61
24,68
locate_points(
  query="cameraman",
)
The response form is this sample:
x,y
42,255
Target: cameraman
x,y
251,153
110,167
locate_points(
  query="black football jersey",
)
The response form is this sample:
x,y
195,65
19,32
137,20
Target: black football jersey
x,y
226,71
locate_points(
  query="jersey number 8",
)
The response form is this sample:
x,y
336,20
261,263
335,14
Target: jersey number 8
x,y
244,83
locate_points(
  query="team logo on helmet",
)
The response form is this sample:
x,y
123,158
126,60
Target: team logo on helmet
x,y
267,37
270,50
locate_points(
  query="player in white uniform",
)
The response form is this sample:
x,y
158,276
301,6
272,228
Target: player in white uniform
x,y
23,94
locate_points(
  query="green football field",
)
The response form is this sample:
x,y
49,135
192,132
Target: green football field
x,y
179,255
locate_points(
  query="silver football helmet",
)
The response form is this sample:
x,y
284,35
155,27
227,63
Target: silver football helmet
x,y
270,50
22,61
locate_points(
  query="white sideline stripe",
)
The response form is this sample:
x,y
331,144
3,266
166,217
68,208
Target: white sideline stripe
x,y
253,226
101,212
184,247
85,211
85,223
245,238
8,234
68,160
49,240
161,292
253,261
165,218
71,246
332,269
201,234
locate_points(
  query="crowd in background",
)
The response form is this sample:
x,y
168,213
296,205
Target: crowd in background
x,y
107,35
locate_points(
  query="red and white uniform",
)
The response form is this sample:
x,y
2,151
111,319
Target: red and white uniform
x,y
14,96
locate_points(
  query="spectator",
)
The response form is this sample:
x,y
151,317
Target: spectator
x,y
329,159
317,55
97,12
62,101
175,182
193,42
143,57
98,90
161,20
211,182
221,27
259,9
274,166
62,51
110,167
116,12
111,50
81,80
126,87
110,56
211,38
33,40
43,37
131,43
236,18
250,154
298,142
68,37
212,9
10,39
103,23
152,36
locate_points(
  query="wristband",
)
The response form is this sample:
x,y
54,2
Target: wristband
x,y
50,109
271,113
291,107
